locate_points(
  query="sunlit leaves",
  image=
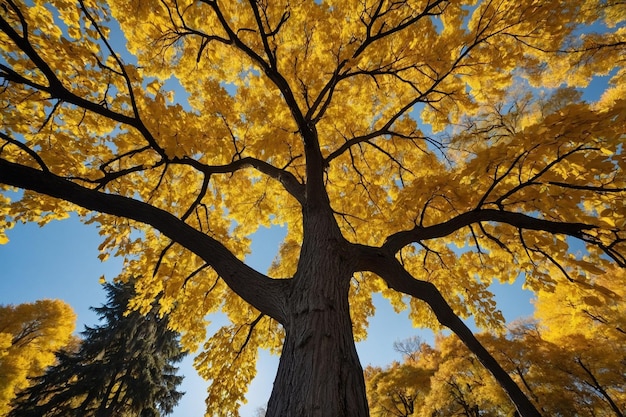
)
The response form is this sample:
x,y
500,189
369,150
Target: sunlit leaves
x,y
30,334
592,305
410,113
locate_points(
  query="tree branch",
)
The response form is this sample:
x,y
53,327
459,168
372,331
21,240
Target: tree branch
x,y
265,294
289,181
271,72
398,240
429,10
24,148
385,265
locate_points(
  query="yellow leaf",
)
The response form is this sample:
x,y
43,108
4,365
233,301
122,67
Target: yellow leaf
x,y
609,220
153,87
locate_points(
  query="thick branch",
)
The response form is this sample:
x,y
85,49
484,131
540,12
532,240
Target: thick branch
x,y
271,56
265,294
394,274
398,240
289,181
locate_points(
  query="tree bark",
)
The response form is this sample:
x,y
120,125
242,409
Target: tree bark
x,y
319,373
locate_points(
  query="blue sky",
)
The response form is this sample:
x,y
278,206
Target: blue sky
x,y
60,260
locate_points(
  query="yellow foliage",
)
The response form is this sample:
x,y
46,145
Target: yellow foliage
x,y
396,118
30,334
593,307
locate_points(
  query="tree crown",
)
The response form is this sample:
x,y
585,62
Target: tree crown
x,y
406,129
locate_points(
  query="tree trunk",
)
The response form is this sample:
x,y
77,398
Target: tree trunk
x,y
319,373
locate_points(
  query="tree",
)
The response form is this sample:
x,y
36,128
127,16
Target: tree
x,y
400,389
124,367
30,333
578,376
313,115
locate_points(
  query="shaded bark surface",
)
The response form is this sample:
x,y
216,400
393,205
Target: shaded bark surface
x,y
319,373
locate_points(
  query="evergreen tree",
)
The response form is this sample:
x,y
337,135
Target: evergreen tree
x,y
123,367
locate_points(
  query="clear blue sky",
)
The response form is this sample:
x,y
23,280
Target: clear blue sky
x,y
60,260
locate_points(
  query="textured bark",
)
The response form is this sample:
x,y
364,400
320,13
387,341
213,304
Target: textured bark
x,y
319,373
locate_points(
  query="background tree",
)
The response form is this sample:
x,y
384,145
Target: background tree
x,y
452,383
124,367
576,375
313,115
400,389
30,333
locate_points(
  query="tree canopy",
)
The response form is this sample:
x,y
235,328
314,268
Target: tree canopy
x,y
420,148
30,334
124,366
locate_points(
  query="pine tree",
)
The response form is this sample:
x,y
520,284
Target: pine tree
x,y
123,367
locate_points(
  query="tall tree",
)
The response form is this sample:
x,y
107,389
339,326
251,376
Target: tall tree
x,y
309,114
124,367
30,333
